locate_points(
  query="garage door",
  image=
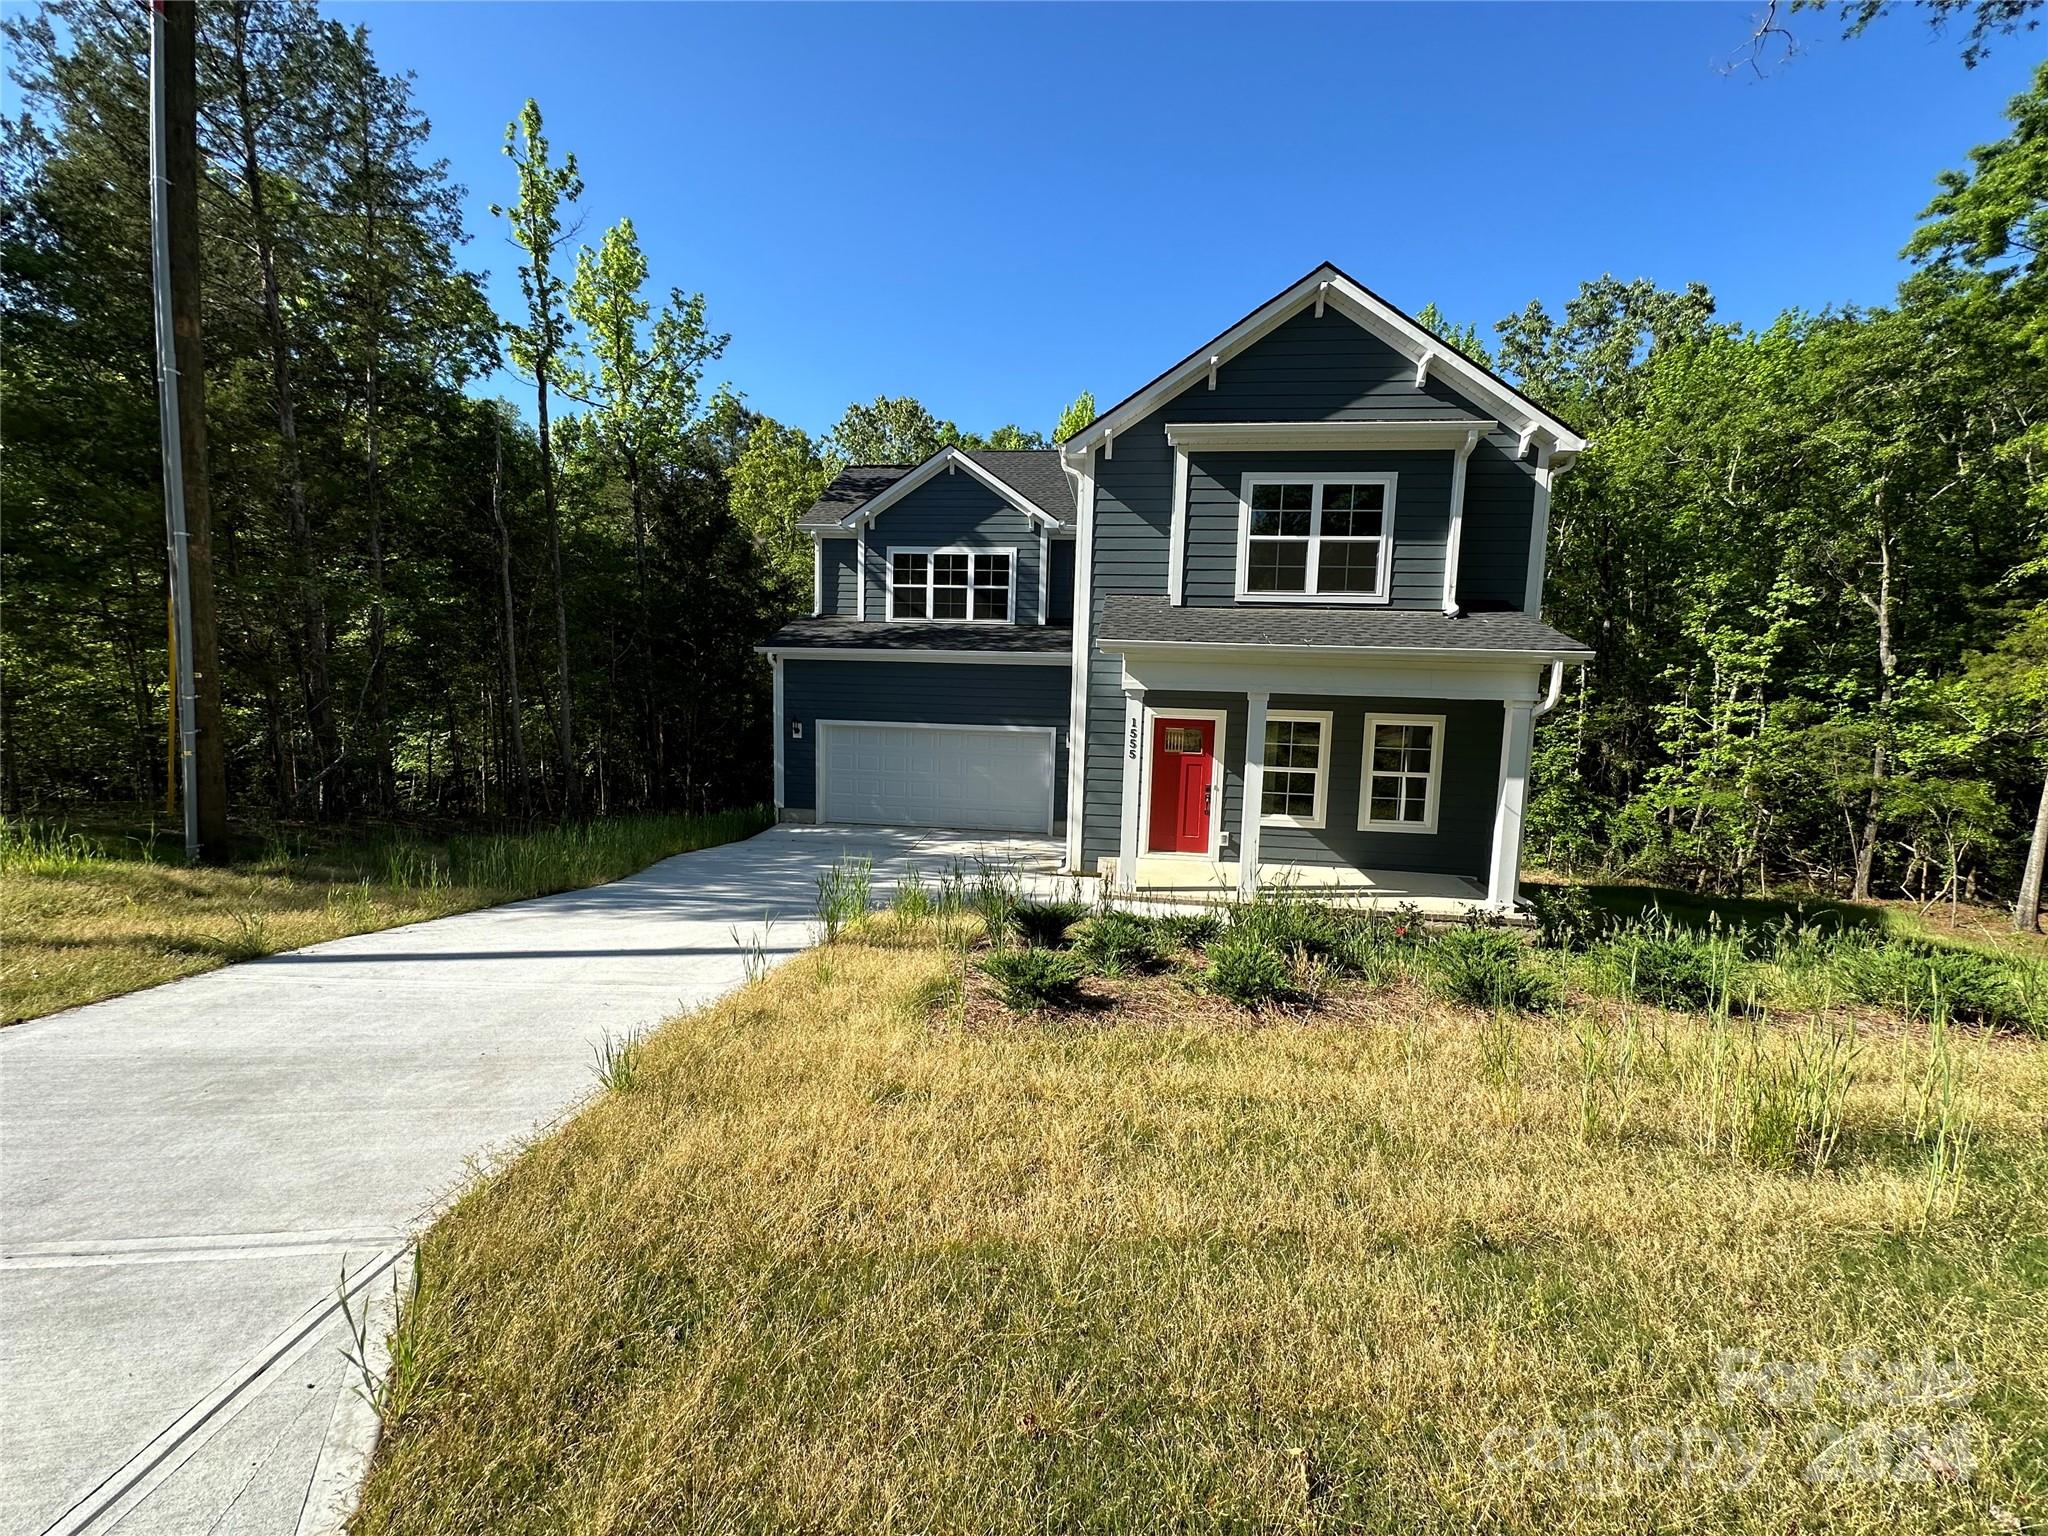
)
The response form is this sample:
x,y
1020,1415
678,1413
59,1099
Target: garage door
x,y
997,778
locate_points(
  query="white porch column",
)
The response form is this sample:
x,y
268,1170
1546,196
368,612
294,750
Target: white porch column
x,y
781,727
1134,789
1254,793
1505,872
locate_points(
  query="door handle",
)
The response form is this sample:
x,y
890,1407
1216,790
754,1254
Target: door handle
x,y
1207,791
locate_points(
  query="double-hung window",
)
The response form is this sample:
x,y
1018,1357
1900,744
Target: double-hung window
x,y
1294,778
1403,763
964,585
1329,537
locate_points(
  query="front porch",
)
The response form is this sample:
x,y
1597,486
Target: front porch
x,y
1171,878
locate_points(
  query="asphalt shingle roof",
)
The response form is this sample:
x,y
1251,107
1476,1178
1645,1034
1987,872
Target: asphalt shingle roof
x,y
856,635
1152,619
1033,473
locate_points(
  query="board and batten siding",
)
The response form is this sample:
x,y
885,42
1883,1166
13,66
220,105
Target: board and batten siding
x,y
955,510
1310,368
916,692
836,599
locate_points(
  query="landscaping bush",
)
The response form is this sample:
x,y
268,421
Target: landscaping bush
x,y
1031,980
1287,922
1489,968
1370,950
1248,969
1918,978
1117,943
1676,967
1186,930
1565,919
1044,924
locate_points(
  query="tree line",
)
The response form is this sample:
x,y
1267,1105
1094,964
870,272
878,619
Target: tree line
x,y
432,602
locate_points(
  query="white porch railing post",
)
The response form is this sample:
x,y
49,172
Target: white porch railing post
x,y
1254,793
1505,871
1133,808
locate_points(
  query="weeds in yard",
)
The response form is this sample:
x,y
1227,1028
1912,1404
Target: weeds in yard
x,y
912,901
1941,1120
753,948
994,896
1794,1097
843,894
1288,921
1187,930
618,1060
250,938
1607,1051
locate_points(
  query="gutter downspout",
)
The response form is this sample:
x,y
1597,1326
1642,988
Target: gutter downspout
x,y
1084,623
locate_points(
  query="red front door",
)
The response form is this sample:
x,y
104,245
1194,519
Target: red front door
x,y
1183,784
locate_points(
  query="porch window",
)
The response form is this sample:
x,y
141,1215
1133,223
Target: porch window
x,y
1294,781
1403,762
1327,537
965,586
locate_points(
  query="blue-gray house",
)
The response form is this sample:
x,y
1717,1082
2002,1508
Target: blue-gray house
x,y
1273,617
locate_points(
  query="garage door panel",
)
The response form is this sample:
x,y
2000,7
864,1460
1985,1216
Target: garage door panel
x,y
943,776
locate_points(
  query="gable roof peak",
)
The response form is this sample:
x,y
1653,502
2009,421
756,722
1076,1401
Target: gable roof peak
x,y
1325,285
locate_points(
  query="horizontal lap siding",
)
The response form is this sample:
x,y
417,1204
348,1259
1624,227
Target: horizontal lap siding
x,y
1467,791
1059,591
954,510
1422,517
1308,369
916,692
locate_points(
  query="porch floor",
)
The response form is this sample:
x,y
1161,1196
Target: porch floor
x,y
1189,879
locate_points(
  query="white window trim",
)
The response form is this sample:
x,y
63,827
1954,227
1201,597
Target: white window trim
x,y
1153,716
889,573
1318,818
1436,771
1381,597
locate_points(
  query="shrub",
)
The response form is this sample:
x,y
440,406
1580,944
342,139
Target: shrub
x,y
1565,919
1287,922
1034,979
1186,930
1489,969
1369,950
1676,967
1118,942
1044,924
1919,979
1247,968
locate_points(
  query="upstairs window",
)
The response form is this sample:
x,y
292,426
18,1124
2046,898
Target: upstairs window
x,y
1403,761
957,585
1327,537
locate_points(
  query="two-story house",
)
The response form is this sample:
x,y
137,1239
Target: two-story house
x,y
1273,617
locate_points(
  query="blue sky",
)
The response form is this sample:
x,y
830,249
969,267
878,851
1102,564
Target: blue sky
x,y
994,207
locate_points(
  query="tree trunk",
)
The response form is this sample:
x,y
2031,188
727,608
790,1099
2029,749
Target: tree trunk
x,y
566,737
328,779
379,700
515,738
2026,912
181,172
1880,760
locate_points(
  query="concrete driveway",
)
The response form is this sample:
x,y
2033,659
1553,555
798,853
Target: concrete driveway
x,y
190,1175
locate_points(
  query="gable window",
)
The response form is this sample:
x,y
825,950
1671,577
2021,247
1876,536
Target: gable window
x,y
1403,762
1295,773
959,585
1322,536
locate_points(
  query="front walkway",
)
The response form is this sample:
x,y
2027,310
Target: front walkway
x,y
187,1173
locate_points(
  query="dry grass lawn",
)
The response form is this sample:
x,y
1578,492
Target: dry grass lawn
x,y
854,1252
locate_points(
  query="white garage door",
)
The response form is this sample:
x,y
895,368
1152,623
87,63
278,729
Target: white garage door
x,y
983,776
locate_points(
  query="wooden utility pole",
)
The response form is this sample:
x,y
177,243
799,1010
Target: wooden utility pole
x,y
181,389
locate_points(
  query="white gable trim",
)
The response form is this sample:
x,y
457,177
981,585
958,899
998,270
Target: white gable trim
x,y
1280,436
947,460
1327,285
